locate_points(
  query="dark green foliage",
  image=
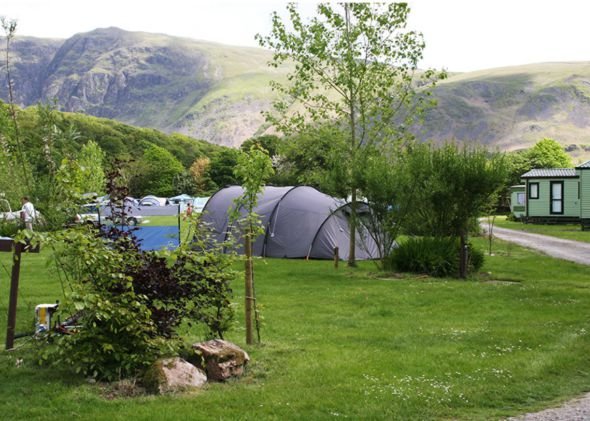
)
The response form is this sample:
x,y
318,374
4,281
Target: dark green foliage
x,y
271,143
434,256
454,184
118,140
221,169
156,172
547,153
476,259
388,187
117,336
311,158
518,163
184,183
9,228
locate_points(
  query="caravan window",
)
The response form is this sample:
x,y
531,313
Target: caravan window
x,y
556,197
520,199
533,190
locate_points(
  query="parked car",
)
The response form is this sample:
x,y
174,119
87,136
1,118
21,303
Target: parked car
x,y
90,213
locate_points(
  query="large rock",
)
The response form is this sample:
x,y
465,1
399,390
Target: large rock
x,y
221,359
173,374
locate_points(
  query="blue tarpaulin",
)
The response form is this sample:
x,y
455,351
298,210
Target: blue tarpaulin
x,y
155,238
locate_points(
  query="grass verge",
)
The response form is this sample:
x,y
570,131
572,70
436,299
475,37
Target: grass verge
x,y
355,344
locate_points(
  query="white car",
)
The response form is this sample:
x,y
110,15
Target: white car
x,y
90,214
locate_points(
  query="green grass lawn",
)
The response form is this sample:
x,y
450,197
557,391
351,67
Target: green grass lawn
x,y
354,344
565,231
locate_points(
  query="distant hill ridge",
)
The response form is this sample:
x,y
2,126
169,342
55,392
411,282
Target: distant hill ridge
x,y
216,92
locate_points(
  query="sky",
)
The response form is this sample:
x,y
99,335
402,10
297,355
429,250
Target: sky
x,y
460,35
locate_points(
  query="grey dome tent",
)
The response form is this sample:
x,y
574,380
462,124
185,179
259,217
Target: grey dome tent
x,y
298,222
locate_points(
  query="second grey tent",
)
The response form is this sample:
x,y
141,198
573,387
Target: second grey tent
x,y
298,222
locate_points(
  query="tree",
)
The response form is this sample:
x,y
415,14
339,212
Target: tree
x,y
156,171
184,183
254,168
356,65
270,142
221,168
307,158
91,161
547,153
455,186
518,163
199,172
389,189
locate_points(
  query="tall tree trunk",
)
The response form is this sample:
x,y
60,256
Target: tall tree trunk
x,y
249,290
351,104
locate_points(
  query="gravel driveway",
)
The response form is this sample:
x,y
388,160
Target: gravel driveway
x,y
575,251
574,410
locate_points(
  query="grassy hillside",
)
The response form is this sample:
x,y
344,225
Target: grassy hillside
x,y
512,108
217,92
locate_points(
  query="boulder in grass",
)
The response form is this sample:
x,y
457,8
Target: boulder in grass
x,y
172,375
221,359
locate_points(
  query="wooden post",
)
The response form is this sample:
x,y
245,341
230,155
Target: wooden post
x,y
248,288
179,242
16,256
336,257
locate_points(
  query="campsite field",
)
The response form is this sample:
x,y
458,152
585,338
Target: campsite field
x,y
354,344
565,231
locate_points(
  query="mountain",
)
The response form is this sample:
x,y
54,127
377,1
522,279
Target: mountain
x,y
201,89
216,92
513,107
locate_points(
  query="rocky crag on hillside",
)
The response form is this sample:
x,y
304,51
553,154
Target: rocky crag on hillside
x,y
201,89
514,107
217,92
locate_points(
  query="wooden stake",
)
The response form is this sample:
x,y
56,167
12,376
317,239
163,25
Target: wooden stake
x,y
248,287
16,256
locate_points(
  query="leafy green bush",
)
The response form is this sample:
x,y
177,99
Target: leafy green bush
x,y
9,228
434,256
129,303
